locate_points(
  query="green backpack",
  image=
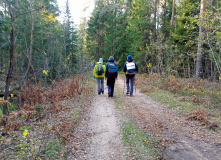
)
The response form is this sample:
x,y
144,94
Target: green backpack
x,y
100,69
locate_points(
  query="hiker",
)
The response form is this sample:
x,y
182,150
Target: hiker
x,y
99,72
111,74
129,68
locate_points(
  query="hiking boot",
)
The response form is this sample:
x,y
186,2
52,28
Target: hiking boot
x,y
131,95
102,92
127,93
109,94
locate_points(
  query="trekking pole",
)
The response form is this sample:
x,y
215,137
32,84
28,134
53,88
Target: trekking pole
x,y
135,84
124,86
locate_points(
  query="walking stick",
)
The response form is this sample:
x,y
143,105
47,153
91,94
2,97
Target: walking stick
x,y
135,84
124,86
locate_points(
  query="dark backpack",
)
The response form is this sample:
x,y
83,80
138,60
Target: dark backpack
x,y
100,69
112,68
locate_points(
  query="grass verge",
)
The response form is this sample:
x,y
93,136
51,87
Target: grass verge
x,y
168,99
139,145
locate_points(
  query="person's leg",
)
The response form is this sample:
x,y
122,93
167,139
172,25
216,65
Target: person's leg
x,y
98,85
127,83
109,90
102,85
112,90
108,87
131,85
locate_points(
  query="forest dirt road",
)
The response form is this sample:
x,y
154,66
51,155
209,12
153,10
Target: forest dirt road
x,y
99,135
100,131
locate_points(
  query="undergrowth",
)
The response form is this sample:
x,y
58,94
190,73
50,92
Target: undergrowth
x,y
41,123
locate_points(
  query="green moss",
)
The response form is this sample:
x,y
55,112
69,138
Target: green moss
x,y
26,149
23,128
18,147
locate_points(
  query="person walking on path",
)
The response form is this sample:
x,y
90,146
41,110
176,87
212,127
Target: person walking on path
x,y
99,72
129,68
111,74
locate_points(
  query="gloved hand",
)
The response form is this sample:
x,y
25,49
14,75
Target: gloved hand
x,y
94,77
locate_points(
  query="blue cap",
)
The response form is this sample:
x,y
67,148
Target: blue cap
x,y
101,60
129,57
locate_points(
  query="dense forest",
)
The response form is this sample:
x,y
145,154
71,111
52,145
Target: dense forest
x,y
46,64
164,36
182,38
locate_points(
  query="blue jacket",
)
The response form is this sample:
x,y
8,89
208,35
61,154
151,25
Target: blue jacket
x,y
125,68
110,77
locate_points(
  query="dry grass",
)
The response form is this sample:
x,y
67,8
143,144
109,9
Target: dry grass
x,y
49,97
198,114
204,96
198,91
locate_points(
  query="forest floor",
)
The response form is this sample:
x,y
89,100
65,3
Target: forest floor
x,y
91,126
139,128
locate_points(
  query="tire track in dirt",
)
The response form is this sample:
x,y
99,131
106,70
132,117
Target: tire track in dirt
x,y
189,140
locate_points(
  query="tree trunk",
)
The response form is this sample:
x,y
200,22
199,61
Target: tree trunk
x,y
11,52
155,20
172,17
31,41
115,27
200,40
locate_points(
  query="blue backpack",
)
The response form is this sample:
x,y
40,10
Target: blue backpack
x,y
112,68
130,68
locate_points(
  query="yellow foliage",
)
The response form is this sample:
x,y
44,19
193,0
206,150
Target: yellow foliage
x,y
45,72
149,65
147,47
47,17
25,133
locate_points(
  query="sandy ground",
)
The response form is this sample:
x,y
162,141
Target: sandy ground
x,y
98,136
100,131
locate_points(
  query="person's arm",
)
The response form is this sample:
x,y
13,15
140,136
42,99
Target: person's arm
x,y
116,73
136,67
106,70
94,71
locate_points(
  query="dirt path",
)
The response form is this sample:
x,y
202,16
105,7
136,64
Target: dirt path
x,y
189,140
100,131
98,137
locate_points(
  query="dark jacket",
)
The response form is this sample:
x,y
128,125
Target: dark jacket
x,y
125,68
110,77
